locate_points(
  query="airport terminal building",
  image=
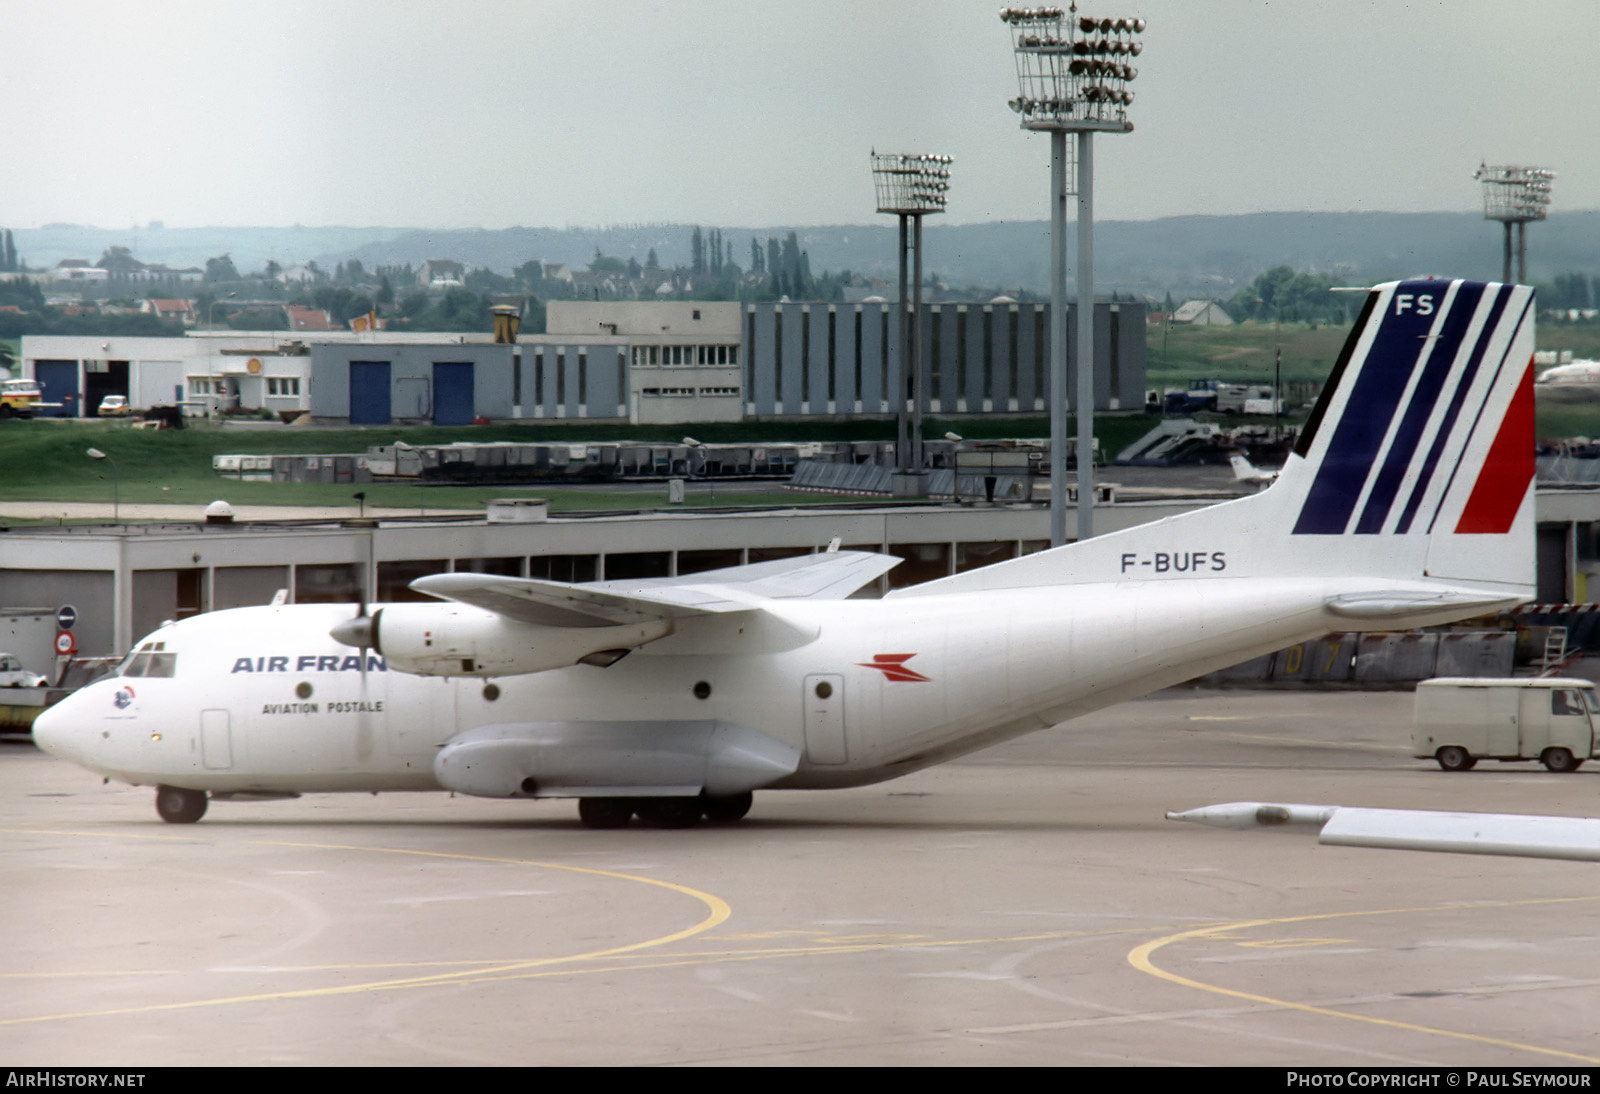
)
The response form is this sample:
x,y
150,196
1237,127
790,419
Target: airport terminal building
x,y
637,362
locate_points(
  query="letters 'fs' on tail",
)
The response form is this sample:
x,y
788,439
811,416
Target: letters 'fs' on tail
x,y
1417,463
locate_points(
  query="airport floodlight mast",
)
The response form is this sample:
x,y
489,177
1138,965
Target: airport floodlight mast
x,y
910,186
1514,196
1073,74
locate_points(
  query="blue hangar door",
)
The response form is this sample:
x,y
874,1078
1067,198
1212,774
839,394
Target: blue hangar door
x,y
369,393
452,393
59,382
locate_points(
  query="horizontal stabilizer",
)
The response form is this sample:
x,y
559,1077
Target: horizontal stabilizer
x,y
1396,605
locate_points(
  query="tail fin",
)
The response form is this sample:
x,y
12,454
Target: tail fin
x,y
1415,466
1245,471
1431,426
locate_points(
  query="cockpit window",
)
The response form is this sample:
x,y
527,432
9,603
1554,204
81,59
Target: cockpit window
x,y
150,659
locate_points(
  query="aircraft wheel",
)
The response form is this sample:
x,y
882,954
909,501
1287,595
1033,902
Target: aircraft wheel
x,y
726,808
605,812
1453,758
668,812
179,806
1559,759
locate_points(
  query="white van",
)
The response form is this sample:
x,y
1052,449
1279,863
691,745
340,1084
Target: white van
x,y
1460,720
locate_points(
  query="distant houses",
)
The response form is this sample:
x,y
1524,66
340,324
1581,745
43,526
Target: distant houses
x,y
1202,313
443,273
308,319
180,310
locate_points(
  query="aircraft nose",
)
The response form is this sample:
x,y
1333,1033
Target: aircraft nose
x,y
56,730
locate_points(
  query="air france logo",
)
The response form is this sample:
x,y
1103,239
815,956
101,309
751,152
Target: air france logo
x,y
123,698
893,667
310,662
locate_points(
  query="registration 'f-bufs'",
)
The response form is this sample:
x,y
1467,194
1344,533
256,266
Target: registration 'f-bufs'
x,y
1408,501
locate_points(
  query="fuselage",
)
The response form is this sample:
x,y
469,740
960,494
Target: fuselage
x,y
261,699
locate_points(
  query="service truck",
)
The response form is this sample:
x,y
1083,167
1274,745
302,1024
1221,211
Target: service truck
x,y
1461,720
19,397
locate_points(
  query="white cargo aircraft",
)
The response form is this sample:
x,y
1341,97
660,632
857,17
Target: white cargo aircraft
x,y
1408,501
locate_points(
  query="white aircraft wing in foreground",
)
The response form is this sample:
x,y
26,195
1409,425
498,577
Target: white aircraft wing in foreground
x,y
1415,829
1408,501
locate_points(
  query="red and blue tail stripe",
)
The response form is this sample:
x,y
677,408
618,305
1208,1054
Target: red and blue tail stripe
x,y
1431,402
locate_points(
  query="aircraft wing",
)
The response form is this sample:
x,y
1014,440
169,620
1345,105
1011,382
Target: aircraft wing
x,y
1522,835
831,575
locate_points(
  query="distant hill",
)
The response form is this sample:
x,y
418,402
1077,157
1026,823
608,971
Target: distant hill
x,y
250,248
1186,256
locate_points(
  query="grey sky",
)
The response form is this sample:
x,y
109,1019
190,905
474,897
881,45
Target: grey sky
x,y
492,113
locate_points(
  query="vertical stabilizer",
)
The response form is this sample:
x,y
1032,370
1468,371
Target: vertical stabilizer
x,y
1416,465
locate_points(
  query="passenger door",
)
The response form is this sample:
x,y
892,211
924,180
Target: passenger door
x,y
824,719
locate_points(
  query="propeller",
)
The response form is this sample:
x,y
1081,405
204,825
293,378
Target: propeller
x,y
362,631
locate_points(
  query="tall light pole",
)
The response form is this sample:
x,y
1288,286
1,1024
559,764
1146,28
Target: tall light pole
x,y
1072,76
116,510
1514,196
910,186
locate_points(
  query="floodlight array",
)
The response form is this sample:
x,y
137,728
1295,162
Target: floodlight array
x,y
911,183
1515,194
1072,71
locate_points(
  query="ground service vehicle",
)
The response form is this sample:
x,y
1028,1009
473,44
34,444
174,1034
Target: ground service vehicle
x,y
14,675
19,398
1460,720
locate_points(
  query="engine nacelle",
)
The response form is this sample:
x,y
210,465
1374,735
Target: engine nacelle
x,y
611,759
460,640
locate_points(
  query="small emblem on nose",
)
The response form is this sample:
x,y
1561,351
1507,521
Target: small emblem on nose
x,y
123,697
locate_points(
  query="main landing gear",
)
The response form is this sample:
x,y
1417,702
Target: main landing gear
x,y
179,806
664,812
